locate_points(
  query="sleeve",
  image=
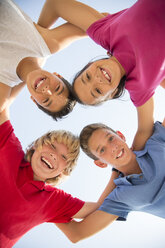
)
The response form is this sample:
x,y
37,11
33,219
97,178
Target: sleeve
x,y
63,206
159,133
116,206
99,31
6,131
8,138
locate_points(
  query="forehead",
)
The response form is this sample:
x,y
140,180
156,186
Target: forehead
x,y
99,136
60,147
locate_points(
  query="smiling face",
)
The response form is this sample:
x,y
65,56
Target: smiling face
x,y
109,148
99,81
49,161
47,89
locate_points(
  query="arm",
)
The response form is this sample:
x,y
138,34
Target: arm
x,y
93,221
74,12
90,207
5,92
8,94
4,116
163,123
145,124
15,91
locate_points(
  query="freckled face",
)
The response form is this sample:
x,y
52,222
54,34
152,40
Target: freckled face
x,y
99,81
109,148
49,161
47,89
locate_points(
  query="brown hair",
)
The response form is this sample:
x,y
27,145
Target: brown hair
x,y
85,135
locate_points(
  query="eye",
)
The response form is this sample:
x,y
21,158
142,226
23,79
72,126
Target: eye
x,y
110,138
98,91
87,75
102,150
46,100
57,88
53,146
64,157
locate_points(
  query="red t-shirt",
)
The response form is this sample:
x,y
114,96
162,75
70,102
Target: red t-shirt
x,y
26,203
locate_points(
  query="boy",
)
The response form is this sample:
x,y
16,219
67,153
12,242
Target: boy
x,y
26,199
140,184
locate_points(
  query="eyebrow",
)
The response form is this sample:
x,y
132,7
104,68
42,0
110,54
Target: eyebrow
x,y
83,80
93,95
48,104
61,91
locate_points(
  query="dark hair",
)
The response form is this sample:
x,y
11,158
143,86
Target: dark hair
x,y
120,88
85,135
66,109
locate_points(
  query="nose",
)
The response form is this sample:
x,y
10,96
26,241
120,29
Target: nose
x,y
114,148
46,90
53,156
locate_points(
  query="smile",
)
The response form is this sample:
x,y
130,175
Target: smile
x,y
39,82
120,154
106,74
47,163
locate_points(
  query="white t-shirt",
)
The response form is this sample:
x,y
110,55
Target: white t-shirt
x,y
18,39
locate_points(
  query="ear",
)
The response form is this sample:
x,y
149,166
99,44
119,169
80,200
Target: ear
x,y
58,75
121,135
100,164
32,98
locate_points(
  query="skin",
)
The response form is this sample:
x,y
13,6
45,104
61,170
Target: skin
x,y
99,81
47,89
49,161
56,39
83,16
111,148
56,155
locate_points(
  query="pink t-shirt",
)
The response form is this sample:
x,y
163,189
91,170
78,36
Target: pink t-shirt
x,y
136,37
26,203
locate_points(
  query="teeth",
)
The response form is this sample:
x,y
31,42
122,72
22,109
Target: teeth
x,y
47,162
119,155
40,82
106,74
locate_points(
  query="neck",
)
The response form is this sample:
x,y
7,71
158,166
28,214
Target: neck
x,y
132,167
28,65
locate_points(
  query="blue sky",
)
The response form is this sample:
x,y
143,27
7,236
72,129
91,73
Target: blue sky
x,y
87,181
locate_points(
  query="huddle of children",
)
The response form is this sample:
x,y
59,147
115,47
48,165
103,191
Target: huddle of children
x,y
137,181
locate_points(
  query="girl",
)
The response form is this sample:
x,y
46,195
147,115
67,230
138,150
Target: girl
x,y
24,48
134,39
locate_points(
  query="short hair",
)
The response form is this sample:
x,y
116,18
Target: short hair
x,y
61,136
66,109
85,135
120,89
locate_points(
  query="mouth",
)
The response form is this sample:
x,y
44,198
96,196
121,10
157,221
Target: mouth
x,y
39,82
106,74
47,163
120,154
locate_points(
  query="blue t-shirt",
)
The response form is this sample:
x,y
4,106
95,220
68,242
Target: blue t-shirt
x,y
143,192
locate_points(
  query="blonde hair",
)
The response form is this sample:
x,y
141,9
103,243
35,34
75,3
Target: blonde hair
x,y
65,137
